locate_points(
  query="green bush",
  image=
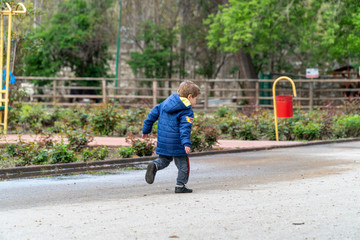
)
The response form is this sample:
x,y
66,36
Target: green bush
x,y
25,153
121,129
78,139
224,112
310,131
264,122
126,152
142,147
227,126
61,153
48,151
351,106
87,154
101,153
42,157
96,154
30,117
104,119
131,122
285,129
203,138
347,126
196,141
11,150
135,116
245,130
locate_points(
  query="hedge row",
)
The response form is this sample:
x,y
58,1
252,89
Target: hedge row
x,y
109,120
78,125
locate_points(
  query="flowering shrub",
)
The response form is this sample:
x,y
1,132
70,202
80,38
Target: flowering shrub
x,y
78,139
142,147
203,138
104,119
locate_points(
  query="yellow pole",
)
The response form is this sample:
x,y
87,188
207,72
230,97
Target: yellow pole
x,y
1,63
6,110
7,12
1,48
24,10
274,101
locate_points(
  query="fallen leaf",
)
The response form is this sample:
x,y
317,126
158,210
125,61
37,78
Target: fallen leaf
x,y
173,236
300,223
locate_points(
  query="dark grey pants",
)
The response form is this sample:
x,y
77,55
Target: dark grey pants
x,y
181,162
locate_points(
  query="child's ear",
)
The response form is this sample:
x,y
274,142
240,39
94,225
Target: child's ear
x,y
189,96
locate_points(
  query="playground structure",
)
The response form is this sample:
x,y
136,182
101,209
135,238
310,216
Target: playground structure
x,y
8,11
284,104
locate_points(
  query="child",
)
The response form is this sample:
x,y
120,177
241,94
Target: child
x,y
174,127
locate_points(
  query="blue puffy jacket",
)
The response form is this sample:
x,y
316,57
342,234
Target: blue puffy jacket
x,y
174,127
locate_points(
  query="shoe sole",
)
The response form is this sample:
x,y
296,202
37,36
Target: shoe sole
x,y
183,192
150,175
186,191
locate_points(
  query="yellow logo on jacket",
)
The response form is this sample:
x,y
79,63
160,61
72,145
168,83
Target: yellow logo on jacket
x,y
190,119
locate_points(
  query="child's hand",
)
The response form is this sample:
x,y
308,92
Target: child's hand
x,y
145,135
187,149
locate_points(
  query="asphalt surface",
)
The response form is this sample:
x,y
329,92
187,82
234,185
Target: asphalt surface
x,y
309,192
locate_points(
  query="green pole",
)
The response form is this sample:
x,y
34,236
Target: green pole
x,y
118,48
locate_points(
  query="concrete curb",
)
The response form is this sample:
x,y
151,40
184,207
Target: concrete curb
x,y
66,168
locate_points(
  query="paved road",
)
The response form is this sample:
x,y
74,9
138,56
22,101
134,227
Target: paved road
x,y
307,192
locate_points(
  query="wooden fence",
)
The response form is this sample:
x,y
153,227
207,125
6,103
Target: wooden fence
x,y
235,93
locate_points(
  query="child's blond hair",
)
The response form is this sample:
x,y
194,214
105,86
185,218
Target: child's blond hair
x,y
187,87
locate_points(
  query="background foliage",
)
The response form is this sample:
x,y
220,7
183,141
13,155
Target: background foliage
x,y
81,123
311,33
188,38
73,38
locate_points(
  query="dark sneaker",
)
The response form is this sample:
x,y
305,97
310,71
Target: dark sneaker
x,y
150,173
183,189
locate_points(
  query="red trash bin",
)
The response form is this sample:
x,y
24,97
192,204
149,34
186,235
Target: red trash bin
x,y
284,106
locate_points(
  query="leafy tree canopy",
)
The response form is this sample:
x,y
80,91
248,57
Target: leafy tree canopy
x,y
157,56
312,32
193,37
73,38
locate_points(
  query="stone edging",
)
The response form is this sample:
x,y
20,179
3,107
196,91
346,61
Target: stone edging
x,y
63,168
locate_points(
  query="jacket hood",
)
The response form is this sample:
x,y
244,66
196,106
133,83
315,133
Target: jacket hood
x,y
174,104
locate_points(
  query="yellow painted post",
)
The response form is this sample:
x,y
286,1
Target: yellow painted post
x,y
274,101
2,49
7,12
1,63
6,109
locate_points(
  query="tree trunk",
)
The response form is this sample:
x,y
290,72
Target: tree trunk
x,y
185,9
14,56
156,12
246,69
41,8
35,12
246,66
